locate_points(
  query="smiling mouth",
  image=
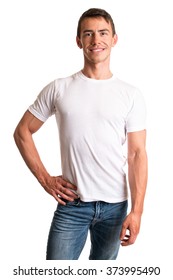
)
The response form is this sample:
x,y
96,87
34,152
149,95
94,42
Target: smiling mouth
x,y
97,50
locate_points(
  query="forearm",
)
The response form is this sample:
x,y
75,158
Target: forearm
x,y
137,173
54,185
27,148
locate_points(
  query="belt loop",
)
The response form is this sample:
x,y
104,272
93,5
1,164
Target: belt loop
x,y
78,201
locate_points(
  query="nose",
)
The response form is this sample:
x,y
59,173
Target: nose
x,y
95,39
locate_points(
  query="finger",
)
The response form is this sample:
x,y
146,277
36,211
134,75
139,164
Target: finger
x,y
58,199
127,236
128,240
123,232
70,186
66,197
125,241
67,193
132,239
60,196
67,184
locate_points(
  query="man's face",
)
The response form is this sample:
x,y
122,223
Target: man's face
x,y
96,39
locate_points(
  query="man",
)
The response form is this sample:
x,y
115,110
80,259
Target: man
x,y
95,113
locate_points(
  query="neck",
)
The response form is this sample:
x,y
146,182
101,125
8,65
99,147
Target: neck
x,y
97,72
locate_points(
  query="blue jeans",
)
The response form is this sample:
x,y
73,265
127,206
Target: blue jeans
x,y
72,222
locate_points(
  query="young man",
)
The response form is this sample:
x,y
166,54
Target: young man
x,y
95,113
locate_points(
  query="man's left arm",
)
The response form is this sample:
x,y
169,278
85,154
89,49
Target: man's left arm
x,y
137,176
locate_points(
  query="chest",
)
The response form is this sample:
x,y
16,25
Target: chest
x,y
90,102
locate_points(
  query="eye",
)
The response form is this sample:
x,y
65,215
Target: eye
x,y
103,33
88,34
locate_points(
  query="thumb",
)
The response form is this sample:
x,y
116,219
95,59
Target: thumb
x,y
123,232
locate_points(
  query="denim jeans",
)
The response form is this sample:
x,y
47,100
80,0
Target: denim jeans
x,y
72,222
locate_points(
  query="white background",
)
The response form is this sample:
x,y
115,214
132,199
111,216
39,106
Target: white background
x,y
37,46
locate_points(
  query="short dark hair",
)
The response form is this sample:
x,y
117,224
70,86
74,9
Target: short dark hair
x,y
94,13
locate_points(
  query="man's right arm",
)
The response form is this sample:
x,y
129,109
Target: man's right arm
x,y
55,186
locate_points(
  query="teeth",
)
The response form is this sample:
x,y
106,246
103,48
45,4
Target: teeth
x,y
96,50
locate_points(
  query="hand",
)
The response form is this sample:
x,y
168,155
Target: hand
x,y
59,188
130,229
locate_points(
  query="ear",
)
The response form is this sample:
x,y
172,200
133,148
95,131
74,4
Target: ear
x,y
78,41
114,40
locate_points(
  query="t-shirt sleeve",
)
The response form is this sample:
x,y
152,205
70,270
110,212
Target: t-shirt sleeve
x,y
44,105
136,118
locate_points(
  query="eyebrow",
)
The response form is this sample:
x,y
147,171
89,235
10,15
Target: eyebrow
x,y
101,30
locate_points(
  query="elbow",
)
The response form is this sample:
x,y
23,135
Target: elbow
x,y
19,135
16,135
132,156
137,155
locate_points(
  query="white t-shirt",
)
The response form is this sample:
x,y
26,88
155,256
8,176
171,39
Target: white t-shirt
x,y
93,117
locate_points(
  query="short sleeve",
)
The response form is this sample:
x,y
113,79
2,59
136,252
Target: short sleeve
x,y
44,107
136,118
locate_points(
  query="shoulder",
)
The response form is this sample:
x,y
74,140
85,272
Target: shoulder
x,y
126,91
129,91
55,87
127,87
64,81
